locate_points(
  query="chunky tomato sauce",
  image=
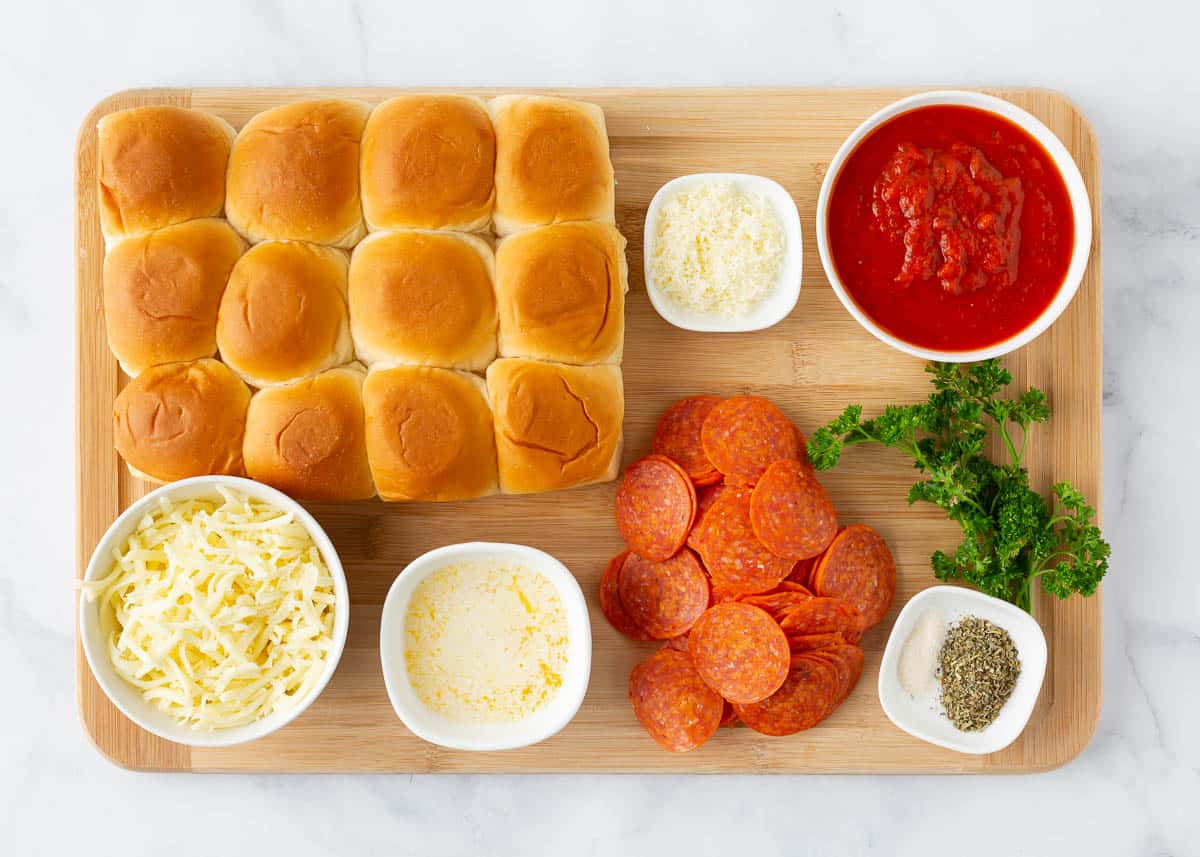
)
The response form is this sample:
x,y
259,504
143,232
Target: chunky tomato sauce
x,y
951,228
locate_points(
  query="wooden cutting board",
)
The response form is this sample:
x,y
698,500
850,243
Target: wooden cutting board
x,y
812,365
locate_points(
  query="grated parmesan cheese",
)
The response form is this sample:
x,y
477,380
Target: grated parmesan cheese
x,y
717,251
485,642
220,611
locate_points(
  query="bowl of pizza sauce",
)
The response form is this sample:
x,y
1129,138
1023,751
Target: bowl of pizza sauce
x,y
954,226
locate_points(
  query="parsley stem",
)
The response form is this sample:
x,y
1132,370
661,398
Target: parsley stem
x,y
1012,450
1045,564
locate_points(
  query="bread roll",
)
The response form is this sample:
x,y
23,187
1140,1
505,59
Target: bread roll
x,y
428,162
429,434
181,419
423,298
556,426
561,293
162,290
308,438
293,173
283,316
160,165
551,162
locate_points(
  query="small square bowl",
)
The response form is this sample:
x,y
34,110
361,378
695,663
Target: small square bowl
x,y
772,309
922,717
438,729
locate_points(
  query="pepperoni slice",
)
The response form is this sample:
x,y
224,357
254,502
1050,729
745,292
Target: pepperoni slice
x,y
791,513
729,717
679,644
610,600
821,615
859,568
734,557
847,659
802,571
720,594
813,642
803,700
789,585
802,443
739,651
664,598
778,604
742,436
706,496
655,506
678,438
673,703
852,657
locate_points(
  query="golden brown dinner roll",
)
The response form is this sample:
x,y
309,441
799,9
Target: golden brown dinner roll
x,y
162,290
293,173
308,439
561,293
551,162
181,419
556,426
160,165
423,298
428,162
283,316
429,434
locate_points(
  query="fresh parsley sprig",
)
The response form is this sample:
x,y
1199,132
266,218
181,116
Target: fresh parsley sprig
x,y
1011,534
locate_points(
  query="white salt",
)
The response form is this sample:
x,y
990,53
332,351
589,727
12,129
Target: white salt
x,y
919,655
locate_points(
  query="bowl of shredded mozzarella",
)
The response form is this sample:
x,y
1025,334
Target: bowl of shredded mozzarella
x,y
723,252
214,611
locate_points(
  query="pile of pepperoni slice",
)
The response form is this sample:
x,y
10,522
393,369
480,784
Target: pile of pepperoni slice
x,y
736,560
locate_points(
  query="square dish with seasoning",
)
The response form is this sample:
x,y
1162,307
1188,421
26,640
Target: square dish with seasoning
x,y
922,714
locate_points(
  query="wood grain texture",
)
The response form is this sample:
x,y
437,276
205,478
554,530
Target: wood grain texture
x,y
811,364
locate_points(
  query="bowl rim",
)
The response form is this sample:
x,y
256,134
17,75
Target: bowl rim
x,y
143,714
791,274
504,736
991,739
1077,194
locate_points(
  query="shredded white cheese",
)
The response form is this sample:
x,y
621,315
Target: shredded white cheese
x,y
485,642
717,250
221,612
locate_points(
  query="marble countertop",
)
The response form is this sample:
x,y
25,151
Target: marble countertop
x,y
1131,68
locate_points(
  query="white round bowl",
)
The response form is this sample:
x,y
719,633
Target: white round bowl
x,y
457,735
921,717
126,697
776,306
1081,211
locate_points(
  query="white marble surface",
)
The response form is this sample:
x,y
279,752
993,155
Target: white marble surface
x,y
1130,66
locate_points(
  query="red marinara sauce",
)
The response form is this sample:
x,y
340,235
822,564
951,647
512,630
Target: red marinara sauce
x,y
951,227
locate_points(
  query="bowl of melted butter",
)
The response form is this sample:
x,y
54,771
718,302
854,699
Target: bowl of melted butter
x,y
485,646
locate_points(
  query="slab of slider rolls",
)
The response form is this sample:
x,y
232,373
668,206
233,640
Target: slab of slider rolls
x,y
426,303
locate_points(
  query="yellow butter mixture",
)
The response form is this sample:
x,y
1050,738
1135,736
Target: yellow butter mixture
x,y
485,641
